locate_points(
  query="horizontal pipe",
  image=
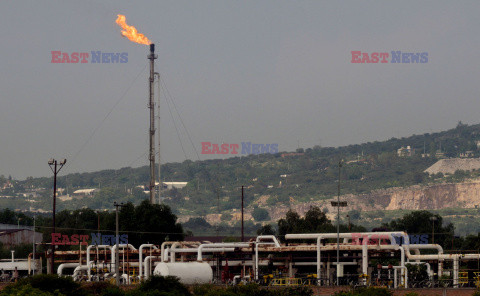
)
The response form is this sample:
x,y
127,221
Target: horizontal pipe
x,y
272,237
65,265
221,245
206,250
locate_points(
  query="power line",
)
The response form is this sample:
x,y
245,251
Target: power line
x,y
206,172
106,230
103,120
136,159
180,117
176,129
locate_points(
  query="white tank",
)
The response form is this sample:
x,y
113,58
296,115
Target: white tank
x,y
188,272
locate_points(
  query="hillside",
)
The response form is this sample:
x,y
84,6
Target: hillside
x,y
450,166
275,182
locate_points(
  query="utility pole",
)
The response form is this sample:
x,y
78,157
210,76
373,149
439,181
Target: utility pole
x,y
151,105
338,219
33,238
117,239
18,228
54,166
243,237
433,219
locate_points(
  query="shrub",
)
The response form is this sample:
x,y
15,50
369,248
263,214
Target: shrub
x,y
206,289
260,214
113,291
344,293
25,290
247,290
250,290
166,285
102,289
52,283
296,291
136,292
370,291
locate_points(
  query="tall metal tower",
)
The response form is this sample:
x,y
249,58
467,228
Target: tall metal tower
x,y
151,105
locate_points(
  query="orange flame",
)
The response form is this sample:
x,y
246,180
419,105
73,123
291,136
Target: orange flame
x,y
131,32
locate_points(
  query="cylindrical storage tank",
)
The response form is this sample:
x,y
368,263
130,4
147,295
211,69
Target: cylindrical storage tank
x,y
188,272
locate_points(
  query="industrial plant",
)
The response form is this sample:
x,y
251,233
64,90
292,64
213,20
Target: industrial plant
x,y
377,258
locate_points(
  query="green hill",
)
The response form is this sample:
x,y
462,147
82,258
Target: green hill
x,y
213,185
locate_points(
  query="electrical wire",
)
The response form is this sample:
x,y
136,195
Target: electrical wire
x,y
208,176
167,92
105,230
73,158
171,98
176,129
136,159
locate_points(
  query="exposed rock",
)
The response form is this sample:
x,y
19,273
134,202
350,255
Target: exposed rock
x,y
213,218
449,166
432,197
262,200
439,196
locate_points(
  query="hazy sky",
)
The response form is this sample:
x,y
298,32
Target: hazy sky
x,y
239,71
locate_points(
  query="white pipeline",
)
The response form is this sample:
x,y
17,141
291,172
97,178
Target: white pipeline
x,y
140,254
162,248
89,262
364,235
65,265
220,245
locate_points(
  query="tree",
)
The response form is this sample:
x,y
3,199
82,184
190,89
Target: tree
x,y
471,242
290,224
423,222
138,193
266,229
418,177
127,218
197,222
175,194
153,223
260,214
8,217
315,221
354,214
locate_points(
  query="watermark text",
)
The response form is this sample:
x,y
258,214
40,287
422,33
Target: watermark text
x,y
84,239
92,57
242,148
392,57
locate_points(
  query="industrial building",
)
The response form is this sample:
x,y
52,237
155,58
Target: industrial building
x,y
12,235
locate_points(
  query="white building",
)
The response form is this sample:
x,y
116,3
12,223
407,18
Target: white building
x,y
85,192
178,185
405,151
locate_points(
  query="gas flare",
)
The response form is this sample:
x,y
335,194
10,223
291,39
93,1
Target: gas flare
x,y
131,32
